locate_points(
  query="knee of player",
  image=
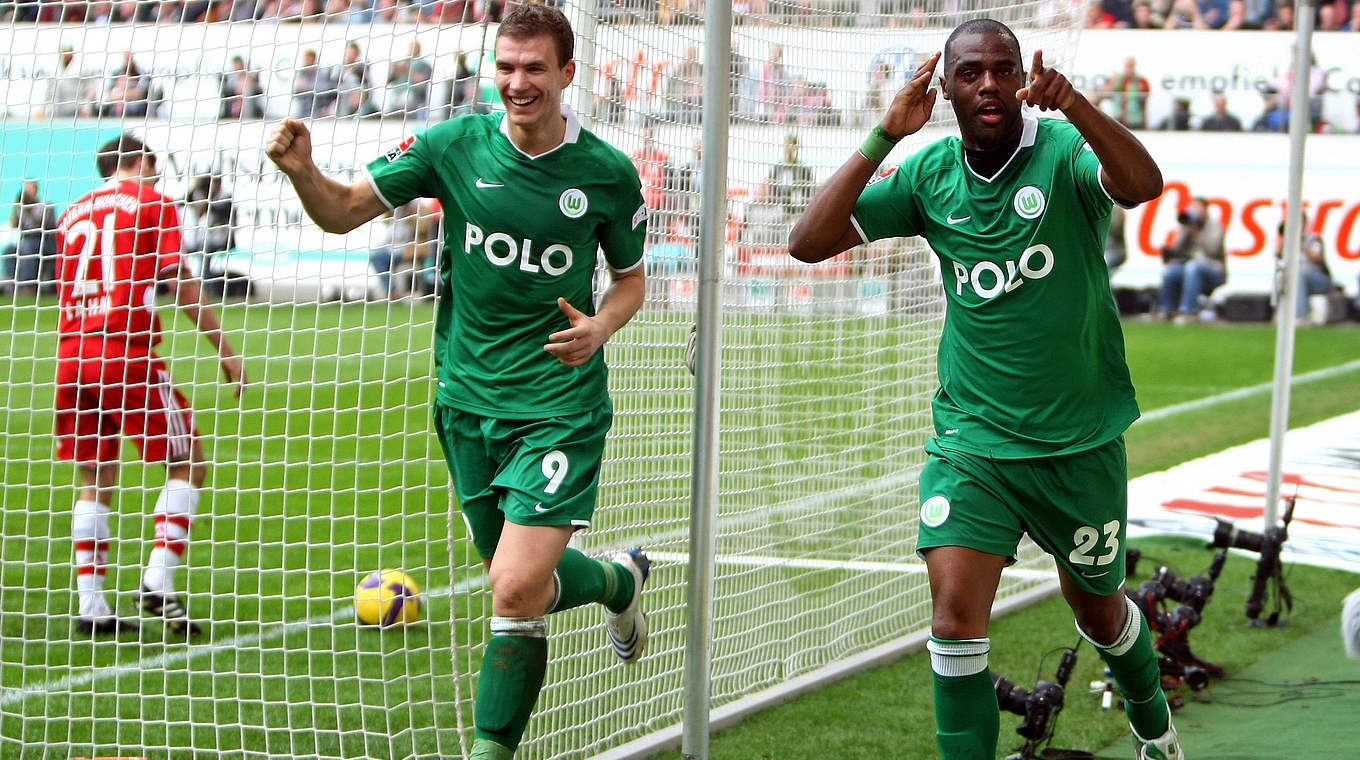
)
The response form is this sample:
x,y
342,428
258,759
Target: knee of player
x,y
1102,623
950,627
516,594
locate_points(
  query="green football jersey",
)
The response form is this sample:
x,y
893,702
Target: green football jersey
x,y
1031,358
518,233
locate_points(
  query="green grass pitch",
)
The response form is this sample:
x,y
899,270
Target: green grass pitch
x,y
327,470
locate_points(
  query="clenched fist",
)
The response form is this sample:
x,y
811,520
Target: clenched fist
x,y
289,146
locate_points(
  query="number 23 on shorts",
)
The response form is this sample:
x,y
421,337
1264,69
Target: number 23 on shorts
x,y
1095,547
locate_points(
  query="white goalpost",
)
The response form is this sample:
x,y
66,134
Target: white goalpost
x,y
810,410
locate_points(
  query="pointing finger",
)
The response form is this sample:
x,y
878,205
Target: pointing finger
x,y
571,311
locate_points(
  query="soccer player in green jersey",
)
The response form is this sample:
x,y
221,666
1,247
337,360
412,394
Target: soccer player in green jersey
x,y
1034,390
522,406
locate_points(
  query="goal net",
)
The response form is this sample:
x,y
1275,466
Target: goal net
x,y
325,470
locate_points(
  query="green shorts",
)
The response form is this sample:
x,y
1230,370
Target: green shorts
x,y
530,472
1074,506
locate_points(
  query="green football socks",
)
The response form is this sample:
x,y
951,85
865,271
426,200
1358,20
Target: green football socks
x,y
967,719
582,580
512,674
1133,664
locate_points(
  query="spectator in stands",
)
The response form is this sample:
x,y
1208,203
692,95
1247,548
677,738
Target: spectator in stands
x,y
1120,12
688,188
393,262
1142,16
775,86
465,91
313,88
1283,20
653,166
1274,115
71,91
1237,16
1179,118
209,225
425,247
1331,16
99,12
1213,13
130,11
1194,263
351,74
35,221
611,105
740,85
791,181
357,104
413,238
344,12
1315,278
685,89
813,106
1184,14
1258,12
1221,120
1097,17
129,91
408,86
1129,92
451,11
1317,88
1353,23
242,96
880,91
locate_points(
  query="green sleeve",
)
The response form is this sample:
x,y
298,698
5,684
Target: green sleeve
x,y
403,172
1086,174
622,235
887,207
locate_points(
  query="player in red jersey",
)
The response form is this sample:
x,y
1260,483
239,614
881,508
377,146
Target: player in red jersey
x,y
117,243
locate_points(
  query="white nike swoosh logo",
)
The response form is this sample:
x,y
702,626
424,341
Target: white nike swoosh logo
x,y
540,508
950,219
483,183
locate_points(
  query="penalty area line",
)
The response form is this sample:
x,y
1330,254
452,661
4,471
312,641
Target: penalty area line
x,y
69,683
1241,393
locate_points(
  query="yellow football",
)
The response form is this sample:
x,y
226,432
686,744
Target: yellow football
x,y
387,598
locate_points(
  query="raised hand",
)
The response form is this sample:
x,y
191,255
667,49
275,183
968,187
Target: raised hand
x,y
576,344
1047,89
911,107
289,146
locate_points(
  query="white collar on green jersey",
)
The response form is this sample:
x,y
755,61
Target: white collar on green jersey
x,y
573,132
1028,131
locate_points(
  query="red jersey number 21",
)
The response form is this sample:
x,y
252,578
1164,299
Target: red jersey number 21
x,y
102,243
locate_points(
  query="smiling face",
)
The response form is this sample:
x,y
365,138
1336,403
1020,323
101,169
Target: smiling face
x,y
982,73
530,80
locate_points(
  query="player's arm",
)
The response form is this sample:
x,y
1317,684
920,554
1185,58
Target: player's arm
x,y
188,295
335,207
1127,169
576,344
824,229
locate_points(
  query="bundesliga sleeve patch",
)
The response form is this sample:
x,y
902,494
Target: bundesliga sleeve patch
x,y
401,148
640,215
886,173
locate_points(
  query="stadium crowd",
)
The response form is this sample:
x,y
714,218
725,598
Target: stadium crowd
x,y
1331,15
1226,15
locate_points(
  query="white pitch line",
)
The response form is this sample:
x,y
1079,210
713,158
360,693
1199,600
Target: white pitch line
x,y
72,681
908,568
1240,393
